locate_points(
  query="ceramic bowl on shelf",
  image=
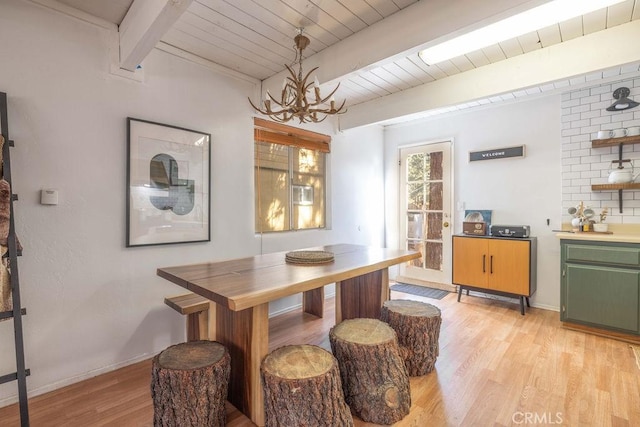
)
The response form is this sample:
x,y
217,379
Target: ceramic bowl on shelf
x,y
600,227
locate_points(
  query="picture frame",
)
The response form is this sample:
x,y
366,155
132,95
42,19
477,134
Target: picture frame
x,y
168,184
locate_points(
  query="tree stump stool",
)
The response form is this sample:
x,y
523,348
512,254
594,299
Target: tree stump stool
x,y
189,384
417,325
374,378
302,388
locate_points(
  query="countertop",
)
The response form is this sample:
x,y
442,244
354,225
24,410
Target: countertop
x,y
624,233
601,237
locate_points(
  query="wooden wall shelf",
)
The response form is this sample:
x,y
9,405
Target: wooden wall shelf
x,y
612,142
625,186
616,142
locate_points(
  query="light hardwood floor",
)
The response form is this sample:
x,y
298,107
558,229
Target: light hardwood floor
x,y
495,368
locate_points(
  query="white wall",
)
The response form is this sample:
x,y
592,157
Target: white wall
x,y
94,305
518,190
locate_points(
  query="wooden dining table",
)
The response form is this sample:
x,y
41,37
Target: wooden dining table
x,y
240,291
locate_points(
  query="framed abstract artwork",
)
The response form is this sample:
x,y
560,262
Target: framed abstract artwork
x,y
168,181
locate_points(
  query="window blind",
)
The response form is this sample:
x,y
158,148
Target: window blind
x,y
277,133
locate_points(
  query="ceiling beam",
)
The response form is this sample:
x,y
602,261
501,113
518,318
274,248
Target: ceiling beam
x,y
143,27
407,31
593,52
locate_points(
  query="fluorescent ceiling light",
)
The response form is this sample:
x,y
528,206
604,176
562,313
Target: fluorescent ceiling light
x,y
531,20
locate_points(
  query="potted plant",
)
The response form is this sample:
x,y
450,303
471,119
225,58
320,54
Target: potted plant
x,y
601,227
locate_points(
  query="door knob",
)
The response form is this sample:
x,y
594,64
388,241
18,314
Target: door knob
x,y
445,224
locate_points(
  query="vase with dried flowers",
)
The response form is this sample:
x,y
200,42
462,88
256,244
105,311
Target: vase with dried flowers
x,y
601,227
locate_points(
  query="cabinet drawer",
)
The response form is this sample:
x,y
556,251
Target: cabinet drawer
x,y
603,254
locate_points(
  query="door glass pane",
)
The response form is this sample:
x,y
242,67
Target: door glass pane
x,y
415,169
434,196
414,245
433,256
424,188
415,196
415,225
434,226
435,165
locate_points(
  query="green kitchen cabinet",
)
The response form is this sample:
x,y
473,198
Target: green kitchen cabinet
x,y
600,284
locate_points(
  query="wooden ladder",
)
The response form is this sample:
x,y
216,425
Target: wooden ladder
x,y
17,312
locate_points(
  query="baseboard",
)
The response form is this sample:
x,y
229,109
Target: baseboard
x,y
620,336
546,307
76,379
434,285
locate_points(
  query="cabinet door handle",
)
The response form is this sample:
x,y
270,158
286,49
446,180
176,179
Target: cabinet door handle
x,y
484,259
491,264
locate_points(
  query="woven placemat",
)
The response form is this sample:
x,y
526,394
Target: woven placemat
x,y
309,257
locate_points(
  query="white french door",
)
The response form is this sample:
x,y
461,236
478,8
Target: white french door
x,y
425,212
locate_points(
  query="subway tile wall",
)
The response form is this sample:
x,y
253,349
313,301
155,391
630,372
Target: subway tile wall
x,y
583,115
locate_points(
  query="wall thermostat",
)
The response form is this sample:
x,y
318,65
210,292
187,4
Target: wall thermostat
x,y
49,196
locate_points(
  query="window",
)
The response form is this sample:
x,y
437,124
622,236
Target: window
x,y
290,177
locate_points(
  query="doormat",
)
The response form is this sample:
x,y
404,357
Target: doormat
x,y
419,290
636,352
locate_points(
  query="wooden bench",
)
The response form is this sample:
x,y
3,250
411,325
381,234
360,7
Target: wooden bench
x,y
196,308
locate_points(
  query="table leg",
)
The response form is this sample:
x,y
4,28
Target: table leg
x,y
246,335
212,327
313,301
362,296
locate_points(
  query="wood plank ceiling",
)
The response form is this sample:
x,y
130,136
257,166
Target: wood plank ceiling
x,y
254,38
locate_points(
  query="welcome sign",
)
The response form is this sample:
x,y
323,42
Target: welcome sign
x,y
497,153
